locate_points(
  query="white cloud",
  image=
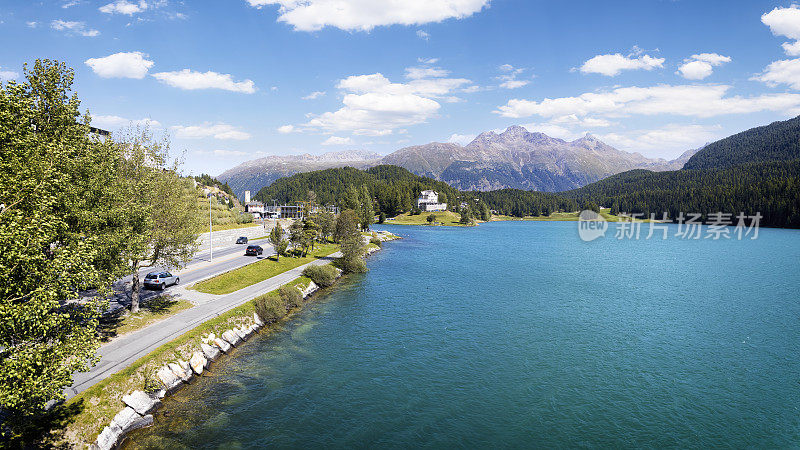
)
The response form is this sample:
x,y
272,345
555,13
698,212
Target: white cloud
x,y
785,22
553,130
423,35
206,130
375,106
32,24
114,122
121,65
461,139
786,71
191,80
314,95
336,140
698,67
508,80
286,129
666,140
222,152
79,28
611,65
70,4
416,73
124,7
427,60
6,75
681,100
364,15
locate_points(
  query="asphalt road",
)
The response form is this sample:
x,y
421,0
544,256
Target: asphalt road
x,y
124,350
199,268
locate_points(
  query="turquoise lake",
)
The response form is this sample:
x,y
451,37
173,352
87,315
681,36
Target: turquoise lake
x,y
519,334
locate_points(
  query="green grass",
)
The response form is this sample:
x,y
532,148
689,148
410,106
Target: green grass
x,y
98,404
229,226
122,322
259,271
447,218
559,216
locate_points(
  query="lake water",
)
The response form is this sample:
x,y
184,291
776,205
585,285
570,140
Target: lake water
x,y
519,334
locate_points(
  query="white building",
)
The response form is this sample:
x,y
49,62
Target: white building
x,y
429,201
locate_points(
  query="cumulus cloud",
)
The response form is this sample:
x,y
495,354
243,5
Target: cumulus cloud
x,y
613,64
364,15
314,95
786,71
207,130
667,140
114,122
461,139
121,65
286,129
701,66
78,28
6,75
124,7
681,100
336,140
375,106
508,80
191,80
785,22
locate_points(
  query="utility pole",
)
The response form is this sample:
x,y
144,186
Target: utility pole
x,y
210,231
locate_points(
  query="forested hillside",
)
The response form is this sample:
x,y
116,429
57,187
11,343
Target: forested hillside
x,y
394,189
778,141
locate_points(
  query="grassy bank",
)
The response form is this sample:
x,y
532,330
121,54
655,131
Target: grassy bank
x,y
558,217
447,218
97,405
121,322
259,271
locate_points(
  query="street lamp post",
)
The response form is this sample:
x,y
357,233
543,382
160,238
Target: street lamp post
x,y
210,231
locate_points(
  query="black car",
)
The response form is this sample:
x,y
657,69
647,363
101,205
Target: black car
x,y
253,250
241,240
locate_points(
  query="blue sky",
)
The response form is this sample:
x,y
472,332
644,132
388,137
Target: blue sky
x,y
241,79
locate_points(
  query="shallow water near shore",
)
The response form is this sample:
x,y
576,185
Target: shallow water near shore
x,y
518,334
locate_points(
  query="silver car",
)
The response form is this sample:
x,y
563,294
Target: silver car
x,y
160,280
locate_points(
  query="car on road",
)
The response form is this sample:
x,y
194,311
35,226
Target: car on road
x,y
160,280
241,240
253,250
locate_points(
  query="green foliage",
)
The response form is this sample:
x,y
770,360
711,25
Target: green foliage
x,y
431,218
270,307
278,240
290,296
382,217
60,234
350,241
208,180
777,141
376,241
323,276
466,216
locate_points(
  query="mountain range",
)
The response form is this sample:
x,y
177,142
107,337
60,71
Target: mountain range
x,y
515,158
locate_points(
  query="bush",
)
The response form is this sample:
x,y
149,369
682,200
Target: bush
x,y
290,296
270,307
322,276
353,265
376,241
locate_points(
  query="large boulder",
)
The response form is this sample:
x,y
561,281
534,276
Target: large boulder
x,y
184,373
169,379
222,344
232,337
257,320
211,352
141,402
128,420
198,362
241,333
108,438
253,328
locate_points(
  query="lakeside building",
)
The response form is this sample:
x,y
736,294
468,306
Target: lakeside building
x,y
429,201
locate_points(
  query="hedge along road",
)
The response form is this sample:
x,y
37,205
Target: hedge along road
x,y
125,350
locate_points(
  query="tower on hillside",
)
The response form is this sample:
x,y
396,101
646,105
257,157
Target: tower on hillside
x,y
247,197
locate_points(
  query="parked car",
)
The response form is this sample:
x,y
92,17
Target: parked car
x,y
253,250
160,280
241,240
